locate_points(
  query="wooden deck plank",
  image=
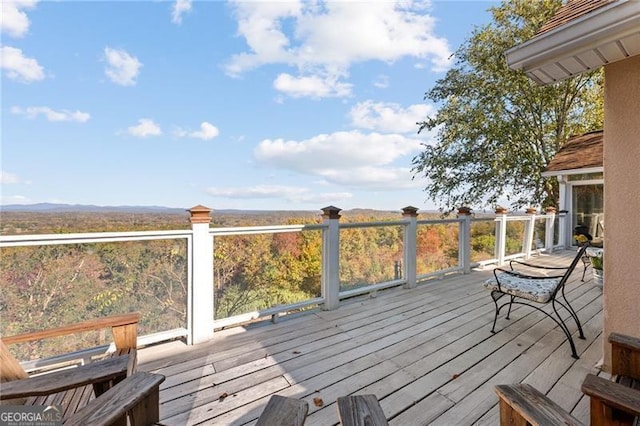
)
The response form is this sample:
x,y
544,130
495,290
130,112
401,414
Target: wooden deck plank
x,y
426,353
321,356
561,392
243,354
475,404
497,360
210,404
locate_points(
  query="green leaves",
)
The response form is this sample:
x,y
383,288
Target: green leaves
x,y
496,129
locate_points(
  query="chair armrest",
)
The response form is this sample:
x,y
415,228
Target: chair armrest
x,y
625,355
58,381
530,265
628,342
138,394
124,328
523,275
612,394
283,410
361,410
524,404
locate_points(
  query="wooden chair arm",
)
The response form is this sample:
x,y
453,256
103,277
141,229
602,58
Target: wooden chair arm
x,y
124,328
611,394
96,373
357,410
281,410
622,340
524,404
137,395
625,355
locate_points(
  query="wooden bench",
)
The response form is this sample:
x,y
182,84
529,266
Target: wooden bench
x,y
283,411
124,329
613,402
361,410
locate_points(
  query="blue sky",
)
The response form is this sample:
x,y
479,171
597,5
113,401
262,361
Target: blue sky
x,y
248,105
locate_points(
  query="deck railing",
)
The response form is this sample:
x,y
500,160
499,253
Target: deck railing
x,y
477,241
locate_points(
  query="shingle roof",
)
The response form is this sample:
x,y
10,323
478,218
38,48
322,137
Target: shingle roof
x,y
573,9
579,152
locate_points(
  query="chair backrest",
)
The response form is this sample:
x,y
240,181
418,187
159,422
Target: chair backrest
x,y
10,368
581,252
123,327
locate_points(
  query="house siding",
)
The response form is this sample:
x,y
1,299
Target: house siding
x,y
622,199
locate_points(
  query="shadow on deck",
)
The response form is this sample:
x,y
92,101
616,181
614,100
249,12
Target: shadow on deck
x,y
426,353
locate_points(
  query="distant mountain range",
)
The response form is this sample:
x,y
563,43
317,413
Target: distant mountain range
x,y
85,208
63,208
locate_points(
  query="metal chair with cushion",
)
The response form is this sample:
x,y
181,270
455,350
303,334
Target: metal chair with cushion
x,y
523,288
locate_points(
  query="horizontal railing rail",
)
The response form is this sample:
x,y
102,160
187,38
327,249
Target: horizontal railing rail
x,y
373,224
91,237
251,230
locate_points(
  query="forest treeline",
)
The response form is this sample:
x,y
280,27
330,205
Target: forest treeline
x,y
45,286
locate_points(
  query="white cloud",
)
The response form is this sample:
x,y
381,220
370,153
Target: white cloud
x,y
19,67
339,150
14,199
374,178
311,86
382,31
51,115
7,178
180,7
347,158
14,20
389,117
145,127
289,193
207,131
382,81
122,68
260,191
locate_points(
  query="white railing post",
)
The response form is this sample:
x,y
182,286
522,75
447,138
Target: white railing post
x,y
563,217
464,239
201,292
529,229
501,234
331,258
410,251
549,228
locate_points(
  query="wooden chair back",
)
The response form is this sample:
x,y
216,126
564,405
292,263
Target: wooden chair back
x,y
124,329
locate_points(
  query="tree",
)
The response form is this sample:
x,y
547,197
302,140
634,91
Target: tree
x,y
496,129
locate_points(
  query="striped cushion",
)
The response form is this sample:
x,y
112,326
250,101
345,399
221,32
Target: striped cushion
x,y
538,290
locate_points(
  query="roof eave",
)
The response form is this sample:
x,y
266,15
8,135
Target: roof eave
x,y
609,24
586,170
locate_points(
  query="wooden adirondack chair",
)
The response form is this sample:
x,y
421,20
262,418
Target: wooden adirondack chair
x,y
71,388
613,402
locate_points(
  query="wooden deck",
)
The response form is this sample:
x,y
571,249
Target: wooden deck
x,y
426,353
